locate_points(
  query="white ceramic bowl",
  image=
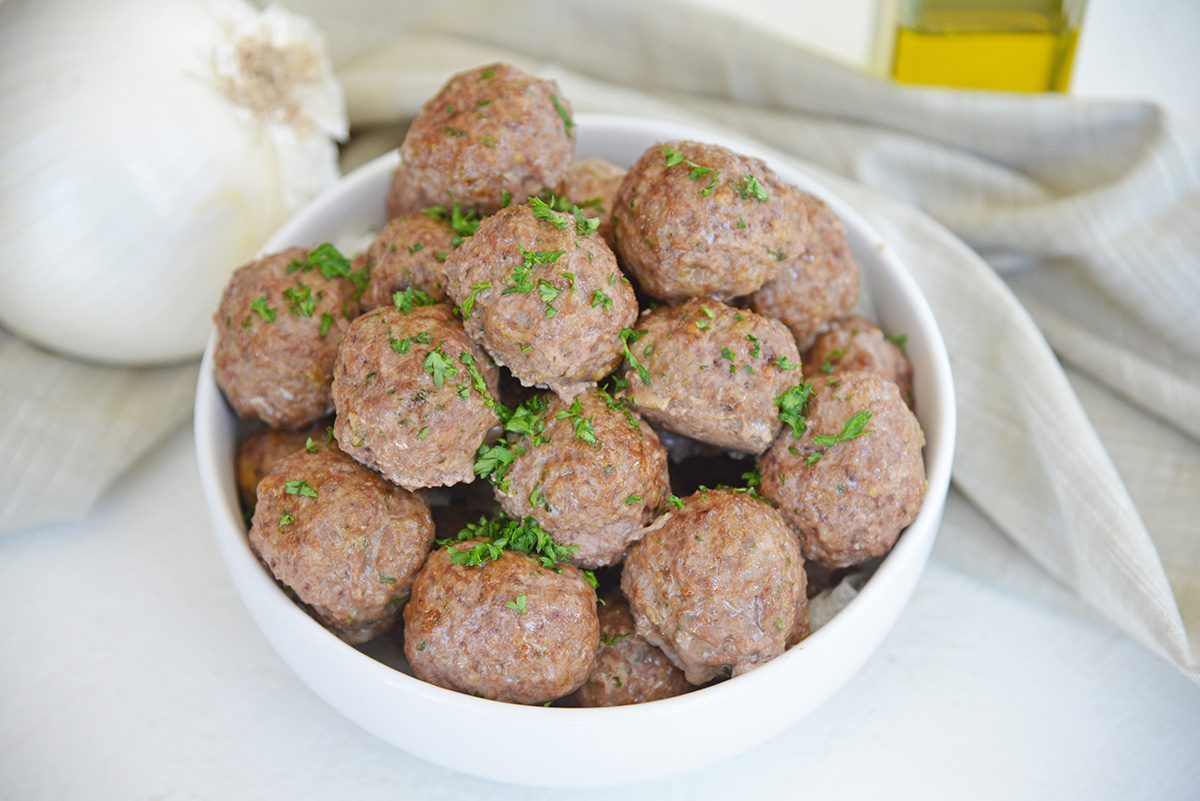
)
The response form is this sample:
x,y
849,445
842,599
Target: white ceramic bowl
x,y
589,747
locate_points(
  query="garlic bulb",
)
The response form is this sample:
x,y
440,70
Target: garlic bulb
x,y
148,149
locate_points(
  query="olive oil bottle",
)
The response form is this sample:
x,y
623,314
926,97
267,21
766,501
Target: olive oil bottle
x,y
1009,45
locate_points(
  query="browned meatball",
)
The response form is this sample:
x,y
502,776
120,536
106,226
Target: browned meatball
x,y
414,395
591,472
261,449
544,296
857,343
278,326
711,372
492,136
592,184
696,220
409,251
509,629
853,478
822,284
345,541
628,670
716,585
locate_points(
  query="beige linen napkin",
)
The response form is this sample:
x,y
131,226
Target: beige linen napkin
x,y
1067,291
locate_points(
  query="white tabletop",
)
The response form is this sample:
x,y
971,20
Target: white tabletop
x,y
130,670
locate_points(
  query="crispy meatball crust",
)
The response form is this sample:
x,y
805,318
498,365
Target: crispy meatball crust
x,y
493,135
717,584
857,343
278,329
628,670
346,542
544,299
696,220
712,372
510,629
820,285
593,477
409,251
851,502
408,403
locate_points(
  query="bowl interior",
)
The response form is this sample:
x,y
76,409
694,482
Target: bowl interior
x,y
589,747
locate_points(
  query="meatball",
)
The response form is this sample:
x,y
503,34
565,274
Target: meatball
x,y
711,372
850,476
492,136
591,184
261,449
822,284
543,294
509,629
415,397
716,584
696,220
628,670
346,542
591,472
856,343
278,326
409,251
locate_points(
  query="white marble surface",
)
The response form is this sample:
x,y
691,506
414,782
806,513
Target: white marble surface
x,y
129,669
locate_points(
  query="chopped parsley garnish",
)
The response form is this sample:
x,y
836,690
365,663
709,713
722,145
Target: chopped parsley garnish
x,y
299,487
286,519
544,211
401,346
783,363
584,426
326,324
439,365
405,299
672,157
628,336
791,406
518,603
756,345
477,381
568,123
613,639
899,340
500,533
854,427
264,311
548,292
463,224
632,499
519,281
601,299
468,305
300,300
726,353
415,248
750,189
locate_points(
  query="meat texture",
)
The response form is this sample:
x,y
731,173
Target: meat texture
x,y
415,397
717,584
820,285
628,669
541,291
278,326
696,220
409,251
591,472
509,629
853,477
711,372
857,343
493,136
347,543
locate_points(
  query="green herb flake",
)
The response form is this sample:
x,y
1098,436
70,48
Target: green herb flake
x,y
632,499
544,211
518,603
286,519
439,365
264,311
568,123
791,407
468,305
602,300
548,292
299,487
750,189
783,363
855,427
405,299
326,324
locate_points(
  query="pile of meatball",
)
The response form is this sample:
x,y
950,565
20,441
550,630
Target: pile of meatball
x,y
574,433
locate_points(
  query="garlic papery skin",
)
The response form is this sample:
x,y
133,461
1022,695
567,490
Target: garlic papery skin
x,y
147,150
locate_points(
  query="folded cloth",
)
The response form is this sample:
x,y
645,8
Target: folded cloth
x,y
1053,237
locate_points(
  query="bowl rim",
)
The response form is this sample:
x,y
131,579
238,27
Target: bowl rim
x,y
254,584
